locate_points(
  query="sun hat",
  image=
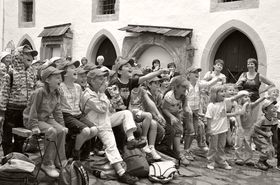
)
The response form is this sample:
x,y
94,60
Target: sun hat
x,y
97,72
45,73
267,103
3,54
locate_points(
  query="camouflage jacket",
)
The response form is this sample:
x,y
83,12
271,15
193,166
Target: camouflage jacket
x,y
4,92
22,85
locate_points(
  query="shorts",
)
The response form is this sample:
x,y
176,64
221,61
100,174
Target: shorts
x,y
76,124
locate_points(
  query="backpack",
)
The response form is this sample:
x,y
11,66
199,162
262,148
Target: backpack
x,y
136,162
162,172
73,173
17,169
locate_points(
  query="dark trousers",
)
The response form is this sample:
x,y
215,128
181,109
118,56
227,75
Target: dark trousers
x,y
13,118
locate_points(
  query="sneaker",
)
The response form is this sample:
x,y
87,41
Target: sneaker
x,y
268,165
261,166
76,155
226,166
211,166
189,155
128,179
184,161
50,171
155,155
239,162
204,149
136,144
146,149
277,168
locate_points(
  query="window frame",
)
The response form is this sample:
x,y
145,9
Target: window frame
x,y
96,17
220,5
21,22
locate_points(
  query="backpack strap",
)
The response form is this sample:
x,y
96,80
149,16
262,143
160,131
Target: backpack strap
x,y
82,173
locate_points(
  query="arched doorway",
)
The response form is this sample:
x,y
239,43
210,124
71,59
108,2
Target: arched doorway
x,y
154,52
26,42
107,50
234,50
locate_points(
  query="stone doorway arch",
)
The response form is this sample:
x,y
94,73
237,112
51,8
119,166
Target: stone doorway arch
x,y
96,42
222,32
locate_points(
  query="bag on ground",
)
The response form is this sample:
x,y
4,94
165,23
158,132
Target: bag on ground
x,y
73,173
162,172
17,169
136,162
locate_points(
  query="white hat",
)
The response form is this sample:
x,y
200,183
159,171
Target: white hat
x,y
3,54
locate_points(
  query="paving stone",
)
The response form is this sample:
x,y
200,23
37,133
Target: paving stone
x,y
202,183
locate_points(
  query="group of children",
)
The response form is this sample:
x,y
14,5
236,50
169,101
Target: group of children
x,y
132,107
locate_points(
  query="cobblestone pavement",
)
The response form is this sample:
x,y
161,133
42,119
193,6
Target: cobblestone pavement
x,y
198,174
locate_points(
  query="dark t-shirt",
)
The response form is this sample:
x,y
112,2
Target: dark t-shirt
x,y
121,90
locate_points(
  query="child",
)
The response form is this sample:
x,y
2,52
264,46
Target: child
x,y
174,103
72,115
194,127
84,61
172,70
217,126
43,114
247,124
138,99
96,107
125,83
22,84
262,134
82,77
218,67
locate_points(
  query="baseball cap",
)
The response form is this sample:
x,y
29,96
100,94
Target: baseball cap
x,y
36,61
3,54
67,63
45,73
97,72
120,62
267,103
193,69
27,49
81,70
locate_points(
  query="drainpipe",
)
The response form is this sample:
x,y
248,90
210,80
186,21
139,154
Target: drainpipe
x,y
3,22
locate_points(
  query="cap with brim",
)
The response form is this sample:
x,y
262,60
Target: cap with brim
x,y
97,72
122,62
27,49
193,69
69,63
3,55
81,70
267,103
36,61
45,73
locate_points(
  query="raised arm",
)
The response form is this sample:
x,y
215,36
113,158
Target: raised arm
x,y
151,75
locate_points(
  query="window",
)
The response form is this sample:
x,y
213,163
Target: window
x,y
106,7
105,10
225,1
26,13
227,5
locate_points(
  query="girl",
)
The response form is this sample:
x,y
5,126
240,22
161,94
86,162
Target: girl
x,y
247,124
217,126
155,65
43,114
218,67
173,106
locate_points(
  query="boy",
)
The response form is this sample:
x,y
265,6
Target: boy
x,y
96,108
70,100
262,134
194,127
43,114
22,85
125,84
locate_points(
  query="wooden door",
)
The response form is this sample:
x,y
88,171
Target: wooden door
x,y
235,50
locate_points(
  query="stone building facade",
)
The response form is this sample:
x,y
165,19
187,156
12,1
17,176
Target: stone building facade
x,y
233,30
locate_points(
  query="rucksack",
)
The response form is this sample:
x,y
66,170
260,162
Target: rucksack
x,y
17,169
162,172
136,163
73,173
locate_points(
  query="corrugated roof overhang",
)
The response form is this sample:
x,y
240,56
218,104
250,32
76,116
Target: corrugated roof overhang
x,y
57,30
167,31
